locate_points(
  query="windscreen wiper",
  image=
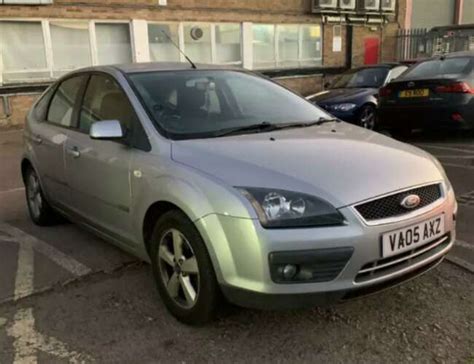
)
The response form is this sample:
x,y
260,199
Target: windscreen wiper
x,y
265,126
258,128
322,121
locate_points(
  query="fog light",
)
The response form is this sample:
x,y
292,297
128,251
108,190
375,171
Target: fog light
x,y
289,271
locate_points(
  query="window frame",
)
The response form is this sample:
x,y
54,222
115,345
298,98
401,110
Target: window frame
x,y
212,28
300,60
138,125
45,43
48,47
140,49
74,115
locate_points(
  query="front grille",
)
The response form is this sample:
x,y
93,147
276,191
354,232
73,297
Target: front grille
x,y
373,288
390,206
386,266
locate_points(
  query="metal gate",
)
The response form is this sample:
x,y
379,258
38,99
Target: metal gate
x,y
420,43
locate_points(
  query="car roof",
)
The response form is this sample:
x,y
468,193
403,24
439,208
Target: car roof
x,y
454,55
168,66
389,65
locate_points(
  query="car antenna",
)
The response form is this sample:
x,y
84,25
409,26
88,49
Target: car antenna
x,y
193,66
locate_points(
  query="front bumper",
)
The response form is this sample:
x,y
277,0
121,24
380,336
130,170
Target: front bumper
x,y
240,250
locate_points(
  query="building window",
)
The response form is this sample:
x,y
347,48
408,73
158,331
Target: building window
x,y
71,46
23,51
263,46
113,43
197,42
201,42
47,49
286,46
311,46
161,48
228,43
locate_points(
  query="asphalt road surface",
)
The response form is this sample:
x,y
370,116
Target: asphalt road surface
x,y
67,296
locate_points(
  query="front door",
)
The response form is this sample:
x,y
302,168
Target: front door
x,y
99,170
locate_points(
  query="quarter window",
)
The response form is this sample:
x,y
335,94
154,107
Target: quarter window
x,y
62,105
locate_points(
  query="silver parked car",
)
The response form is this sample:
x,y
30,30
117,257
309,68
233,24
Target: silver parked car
x,y
233,186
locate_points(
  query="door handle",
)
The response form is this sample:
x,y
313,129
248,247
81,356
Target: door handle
x,y
74,152
37,139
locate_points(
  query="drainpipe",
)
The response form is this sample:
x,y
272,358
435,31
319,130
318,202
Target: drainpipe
x,y
458,12
349,40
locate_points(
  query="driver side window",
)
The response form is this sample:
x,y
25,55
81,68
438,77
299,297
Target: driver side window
x,y
104,100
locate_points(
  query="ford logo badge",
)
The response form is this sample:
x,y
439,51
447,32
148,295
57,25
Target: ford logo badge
x,y
410,202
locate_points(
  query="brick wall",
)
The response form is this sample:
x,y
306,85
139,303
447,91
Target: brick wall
x,y
13,114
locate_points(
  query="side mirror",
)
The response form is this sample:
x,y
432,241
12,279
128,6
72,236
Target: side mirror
x,y
106,130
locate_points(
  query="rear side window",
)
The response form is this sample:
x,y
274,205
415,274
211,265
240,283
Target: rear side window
x,y
41,107
440,68
62,105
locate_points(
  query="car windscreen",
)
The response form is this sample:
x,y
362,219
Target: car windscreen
x,y
445,68
364,78
195,103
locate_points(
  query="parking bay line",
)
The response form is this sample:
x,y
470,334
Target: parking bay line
x,y
27,341
12,190
68,263
444,148
457,166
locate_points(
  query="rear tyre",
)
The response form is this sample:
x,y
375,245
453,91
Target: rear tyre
x,y
39,209
367,117
183,271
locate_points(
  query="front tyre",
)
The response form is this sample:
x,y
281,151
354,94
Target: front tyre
x,y
367,117
40,211
183,271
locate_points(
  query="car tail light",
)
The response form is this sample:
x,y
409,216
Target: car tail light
x,y
457,117
385,92
455,88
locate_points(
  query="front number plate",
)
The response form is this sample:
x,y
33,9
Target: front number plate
x,y
399,241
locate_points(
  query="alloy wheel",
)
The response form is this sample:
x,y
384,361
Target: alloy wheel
x,y
367,118
179,268
35,200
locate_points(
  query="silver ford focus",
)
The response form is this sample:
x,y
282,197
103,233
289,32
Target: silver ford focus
x,y
233,187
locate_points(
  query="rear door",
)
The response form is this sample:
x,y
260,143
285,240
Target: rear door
x,y
98,171
50,136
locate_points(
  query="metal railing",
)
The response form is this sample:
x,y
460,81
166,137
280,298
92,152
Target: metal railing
x,y
421,43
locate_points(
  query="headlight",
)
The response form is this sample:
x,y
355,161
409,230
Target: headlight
x,y
443,172
282,209
343,107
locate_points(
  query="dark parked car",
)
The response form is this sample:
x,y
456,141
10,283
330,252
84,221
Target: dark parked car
x,y
353,96
437,93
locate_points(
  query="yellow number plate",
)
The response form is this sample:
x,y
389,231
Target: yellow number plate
x,y
423,92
